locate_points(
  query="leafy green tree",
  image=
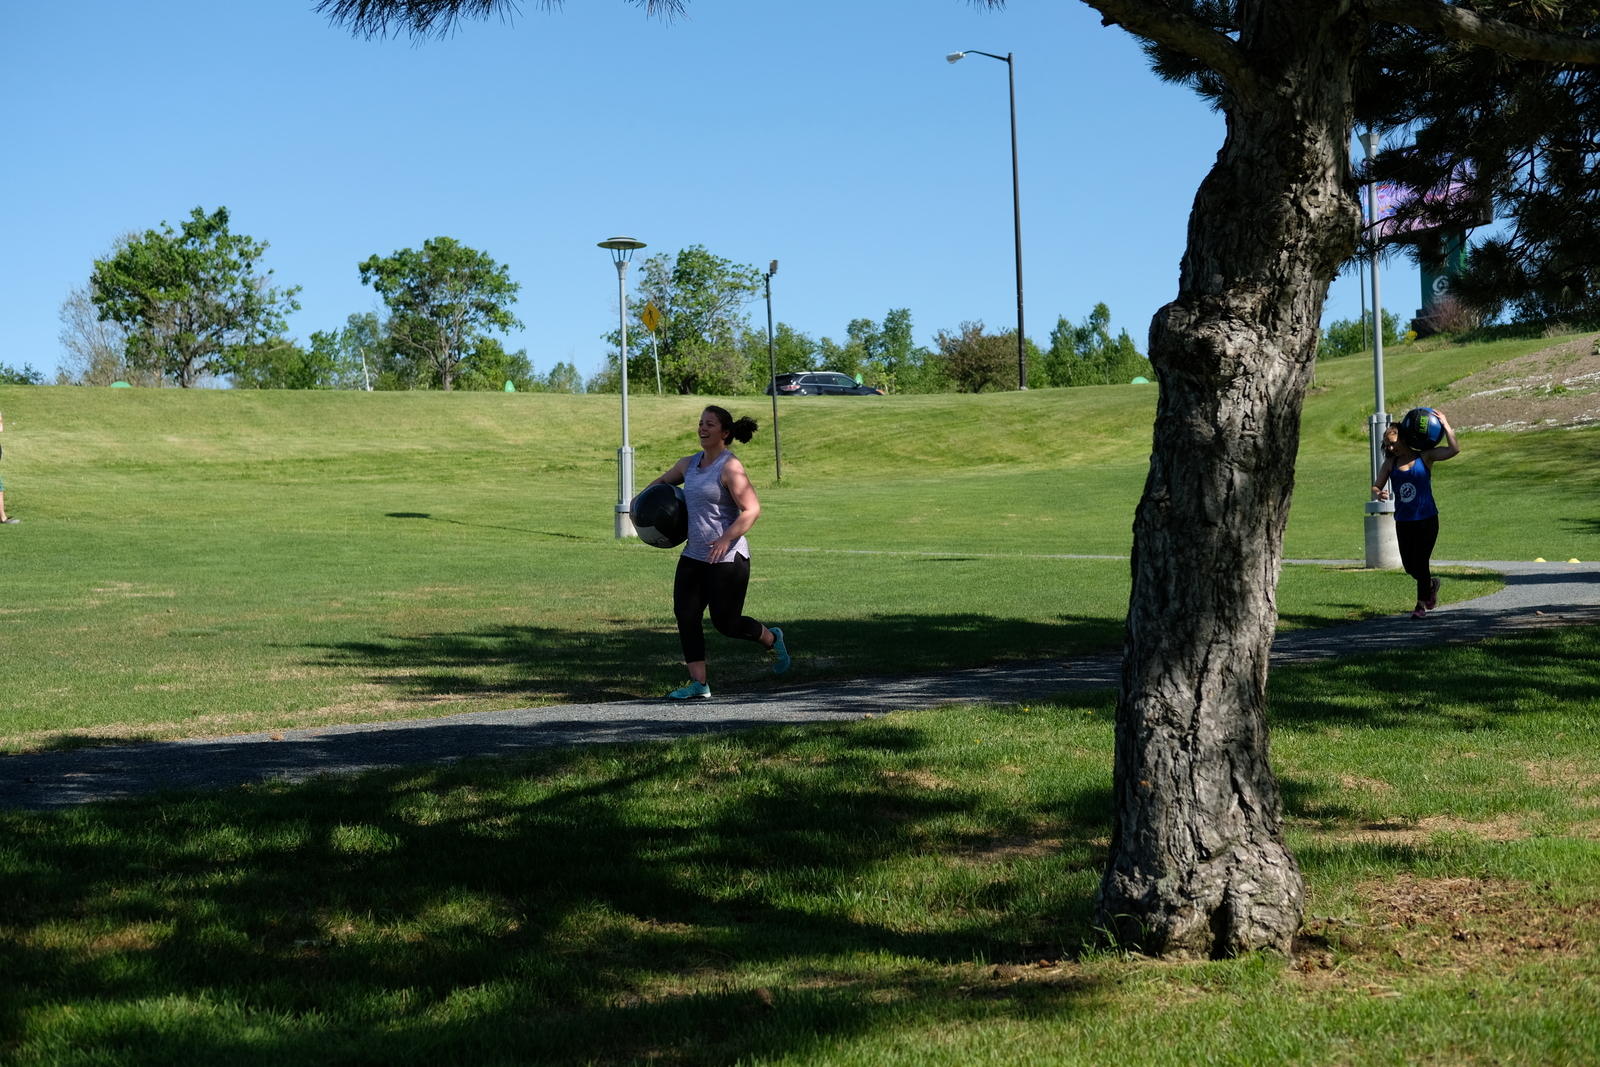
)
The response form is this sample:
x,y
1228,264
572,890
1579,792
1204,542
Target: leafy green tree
x,y
441,301
846,358
489,366
190,299
1087,354
563,378
701,298
358,354
793,350
279,363
895,355
26,375
1346,337
973,358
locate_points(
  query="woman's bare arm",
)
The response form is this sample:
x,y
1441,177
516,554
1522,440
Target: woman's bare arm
x,y
738,485
1449,450
673,476
1379,485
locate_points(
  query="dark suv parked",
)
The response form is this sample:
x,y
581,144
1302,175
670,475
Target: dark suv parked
x,y
821,383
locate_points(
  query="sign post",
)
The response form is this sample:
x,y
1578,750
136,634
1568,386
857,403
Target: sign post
x,y
651,319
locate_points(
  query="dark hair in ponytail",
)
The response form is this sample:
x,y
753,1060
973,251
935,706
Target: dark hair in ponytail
x,y
741,430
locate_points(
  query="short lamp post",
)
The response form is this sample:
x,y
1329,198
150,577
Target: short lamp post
x,y
1382,549
772,363
622,250
1016,202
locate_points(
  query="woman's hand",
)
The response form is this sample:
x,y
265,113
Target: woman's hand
x,y
719,548
1380,494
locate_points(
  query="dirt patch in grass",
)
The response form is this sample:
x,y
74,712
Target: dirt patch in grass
x,y
1569,774
1443,925
1556,386
921,779
1365,784
1397,832
1002,850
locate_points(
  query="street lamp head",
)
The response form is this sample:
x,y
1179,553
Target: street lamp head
x,y
773,269
1370,142
955,57
622,248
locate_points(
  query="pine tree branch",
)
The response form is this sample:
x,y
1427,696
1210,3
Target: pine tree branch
x,y
437,18
1463,25
1179,30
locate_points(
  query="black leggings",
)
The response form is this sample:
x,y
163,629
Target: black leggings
x,y
1416,540
719,586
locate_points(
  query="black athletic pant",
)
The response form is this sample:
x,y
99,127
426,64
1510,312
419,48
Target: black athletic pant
x,y
719,586
1416,540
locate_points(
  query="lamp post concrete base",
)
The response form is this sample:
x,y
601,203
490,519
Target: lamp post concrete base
x,y
1383,550
625,493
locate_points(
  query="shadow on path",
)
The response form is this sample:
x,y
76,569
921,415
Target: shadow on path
x,y
64,778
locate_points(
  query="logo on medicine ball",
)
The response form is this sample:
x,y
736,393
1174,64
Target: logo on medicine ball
x,y
1408,492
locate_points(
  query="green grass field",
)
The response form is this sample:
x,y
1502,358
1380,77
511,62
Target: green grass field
x,y
909,889
205,562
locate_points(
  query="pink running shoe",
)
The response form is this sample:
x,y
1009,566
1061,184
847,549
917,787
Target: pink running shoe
x,y
1420,613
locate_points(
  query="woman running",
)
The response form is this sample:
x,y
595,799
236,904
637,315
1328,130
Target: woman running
x,y
1416,516
714,570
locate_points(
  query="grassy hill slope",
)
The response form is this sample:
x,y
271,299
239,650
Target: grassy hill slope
x,y
208,561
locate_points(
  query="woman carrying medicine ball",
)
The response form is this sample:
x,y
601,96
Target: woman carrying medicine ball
x,y
714,570
1416,516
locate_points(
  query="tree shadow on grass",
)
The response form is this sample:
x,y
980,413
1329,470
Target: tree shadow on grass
x,y
1458,687
485,525
1404,587
611,904
630,662
1584,526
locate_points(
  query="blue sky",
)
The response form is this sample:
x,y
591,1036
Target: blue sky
x,y
829,135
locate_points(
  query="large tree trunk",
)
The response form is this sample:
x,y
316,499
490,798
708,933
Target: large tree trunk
x,y
1198,866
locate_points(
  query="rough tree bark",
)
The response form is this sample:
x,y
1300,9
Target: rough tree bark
x,y
1198,866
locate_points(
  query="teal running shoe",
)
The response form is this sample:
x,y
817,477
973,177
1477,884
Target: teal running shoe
x,y
778,652
692,691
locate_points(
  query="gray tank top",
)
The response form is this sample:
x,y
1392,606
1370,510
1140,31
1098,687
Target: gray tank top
x,y
711,509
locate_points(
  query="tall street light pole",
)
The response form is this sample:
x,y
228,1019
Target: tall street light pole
x,y
1383,550
772,361
1016,202
622,250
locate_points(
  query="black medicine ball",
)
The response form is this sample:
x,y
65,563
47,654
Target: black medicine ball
x,y
661,517
1421,429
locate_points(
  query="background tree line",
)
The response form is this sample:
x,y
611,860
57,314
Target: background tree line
x,y
705,342
191,305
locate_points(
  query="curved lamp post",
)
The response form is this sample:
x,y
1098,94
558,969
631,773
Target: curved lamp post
x,y
622,250
1016,202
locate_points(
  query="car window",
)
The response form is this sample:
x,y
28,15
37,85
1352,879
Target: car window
x,y
842,379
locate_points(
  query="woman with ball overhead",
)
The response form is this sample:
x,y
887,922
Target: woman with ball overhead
x,y
1420,440
714,570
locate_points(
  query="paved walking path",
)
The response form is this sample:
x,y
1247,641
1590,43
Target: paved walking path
x,y
1535,595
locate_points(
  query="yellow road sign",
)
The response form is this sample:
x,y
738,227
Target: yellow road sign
x,y
650,317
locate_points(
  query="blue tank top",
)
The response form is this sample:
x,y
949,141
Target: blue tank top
x,y
711,509
1413,492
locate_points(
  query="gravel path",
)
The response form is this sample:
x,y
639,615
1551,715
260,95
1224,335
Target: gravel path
x,y
1535,595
